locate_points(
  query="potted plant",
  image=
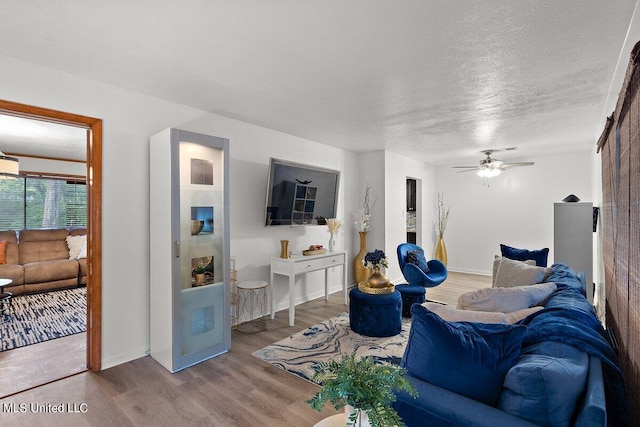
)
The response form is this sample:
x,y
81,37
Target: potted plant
x,y
365,386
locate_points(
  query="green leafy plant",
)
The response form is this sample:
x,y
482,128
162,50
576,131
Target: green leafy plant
x,y
199,270
364,385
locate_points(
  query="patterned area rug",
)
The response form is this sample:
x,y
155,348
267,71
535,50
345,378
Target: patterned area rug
x,y
41,317
331,339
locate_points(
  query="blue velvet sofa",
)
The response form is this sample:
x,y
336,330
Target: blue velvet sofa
x,y
566,333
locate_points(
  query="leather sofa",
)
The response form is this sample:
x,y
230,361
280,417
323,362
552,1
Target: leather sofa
x,y
38,260
568,321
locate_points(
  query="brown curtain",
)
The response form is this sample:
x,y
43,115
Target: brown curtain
x,y
620,148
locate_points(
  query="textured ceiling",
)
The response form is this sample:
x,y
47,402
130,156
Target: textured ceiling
x,y
437,81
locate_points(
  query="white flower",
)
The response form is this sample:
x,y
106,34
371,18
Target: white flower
x,y
362,221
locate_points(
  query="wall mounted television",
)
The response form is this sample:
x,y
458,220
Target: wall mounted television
x,y
300,194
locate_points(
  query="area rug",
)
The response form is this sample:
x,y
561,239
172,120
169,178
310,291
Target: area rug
x,y
331,339
41,317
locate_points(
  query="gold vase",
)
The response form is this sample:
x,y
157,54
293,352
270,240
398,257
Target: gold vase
x,y
441,251
284,249
377,279
377,284
360,271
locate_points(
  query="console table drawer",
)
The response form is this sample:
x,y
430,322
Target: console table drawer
x,y
318,263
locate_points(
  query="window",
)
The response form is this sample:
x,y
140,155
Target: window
x,y
33,202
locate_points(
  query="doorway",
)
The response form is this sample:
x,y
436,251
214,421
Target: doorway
x,y
93,129
413,216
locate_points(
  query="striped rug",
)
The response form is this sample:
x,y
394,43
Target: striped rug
x,y
41,317
331,339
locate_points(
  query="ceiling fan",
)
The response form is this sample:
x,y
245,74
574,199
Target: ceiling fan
x,y
490,167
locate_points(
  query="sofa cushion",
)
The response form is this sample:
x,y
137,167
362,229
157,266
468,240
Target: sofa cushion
x,y
50,271
451,314
496,264
470,359
43,245
545,384
506,300
417,257
538,255
517,273
14,272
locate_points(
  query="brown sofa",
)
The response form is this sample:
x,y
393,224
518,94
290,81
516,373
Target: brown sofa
x,y
38,260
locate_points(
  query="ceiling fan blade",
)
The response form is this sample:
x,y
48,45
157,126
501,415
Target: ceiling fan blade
x,y
465,167
511,165
467,170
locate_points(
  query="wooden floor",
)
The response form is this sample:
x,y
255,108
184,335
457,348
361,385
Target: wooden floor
x,y
34,365
234,389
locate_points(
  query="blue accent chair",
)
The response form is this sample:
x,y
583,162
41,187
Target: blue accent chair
x,y
417,280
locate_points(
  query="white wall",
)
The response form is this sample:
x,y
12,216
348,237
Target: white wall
x,y
397,170
516,208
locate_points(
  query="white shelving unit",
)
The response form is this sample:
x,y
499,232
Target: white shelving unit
x,y
573,239
190,319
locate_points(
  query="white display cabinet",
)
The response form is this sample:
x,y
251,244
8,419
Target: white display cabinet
x,y
189,248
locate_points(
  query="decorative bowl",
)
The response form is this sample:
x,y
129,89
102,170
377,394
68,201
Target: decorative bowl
x,y
196,226
388,289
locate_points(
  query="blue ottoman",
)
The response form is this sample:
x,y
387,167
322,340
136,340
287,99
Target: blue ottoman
x,y
411,294
375,315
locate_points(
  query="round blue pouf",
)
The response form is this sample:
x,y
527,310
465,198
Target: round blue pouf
x,y
375,315
411,294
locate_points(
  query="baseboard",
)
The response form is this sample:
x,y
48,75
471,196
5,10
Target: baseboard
x,y
470,271
110,362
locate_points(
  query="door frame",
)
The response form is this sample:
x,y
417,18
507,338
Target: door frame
x,y
94,217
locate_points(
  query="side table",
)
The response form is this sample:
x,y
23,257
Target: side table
x,y
252,301
5,297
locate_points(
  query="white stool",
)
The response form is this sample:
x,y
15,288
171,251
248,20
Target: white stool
x,y
252,305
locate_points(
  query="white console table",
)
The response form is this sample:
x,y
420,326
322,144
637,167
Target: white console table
x,y
300,264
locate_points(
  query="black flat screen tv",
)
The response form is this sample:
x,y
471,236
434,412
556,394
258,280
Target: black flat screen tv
x,y
299,194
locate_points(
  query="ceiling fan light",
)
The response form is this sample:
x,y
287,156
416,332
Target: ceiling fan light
x,y
8,167
488,172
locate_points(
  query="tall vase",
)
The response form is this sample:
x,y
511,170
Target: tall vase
x,y
284,249
360,271
332,242
441,251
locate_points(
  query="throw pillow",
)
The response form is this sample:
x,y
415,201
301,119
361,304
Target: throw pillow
x,y
496,263
545,384
517,273
451,314
538,255
506,300
470,359
417,257
75,245
83,251
3,251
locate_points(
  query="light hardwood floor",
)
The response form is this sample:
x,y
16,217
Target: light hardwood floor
x,y
34,365
234,389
